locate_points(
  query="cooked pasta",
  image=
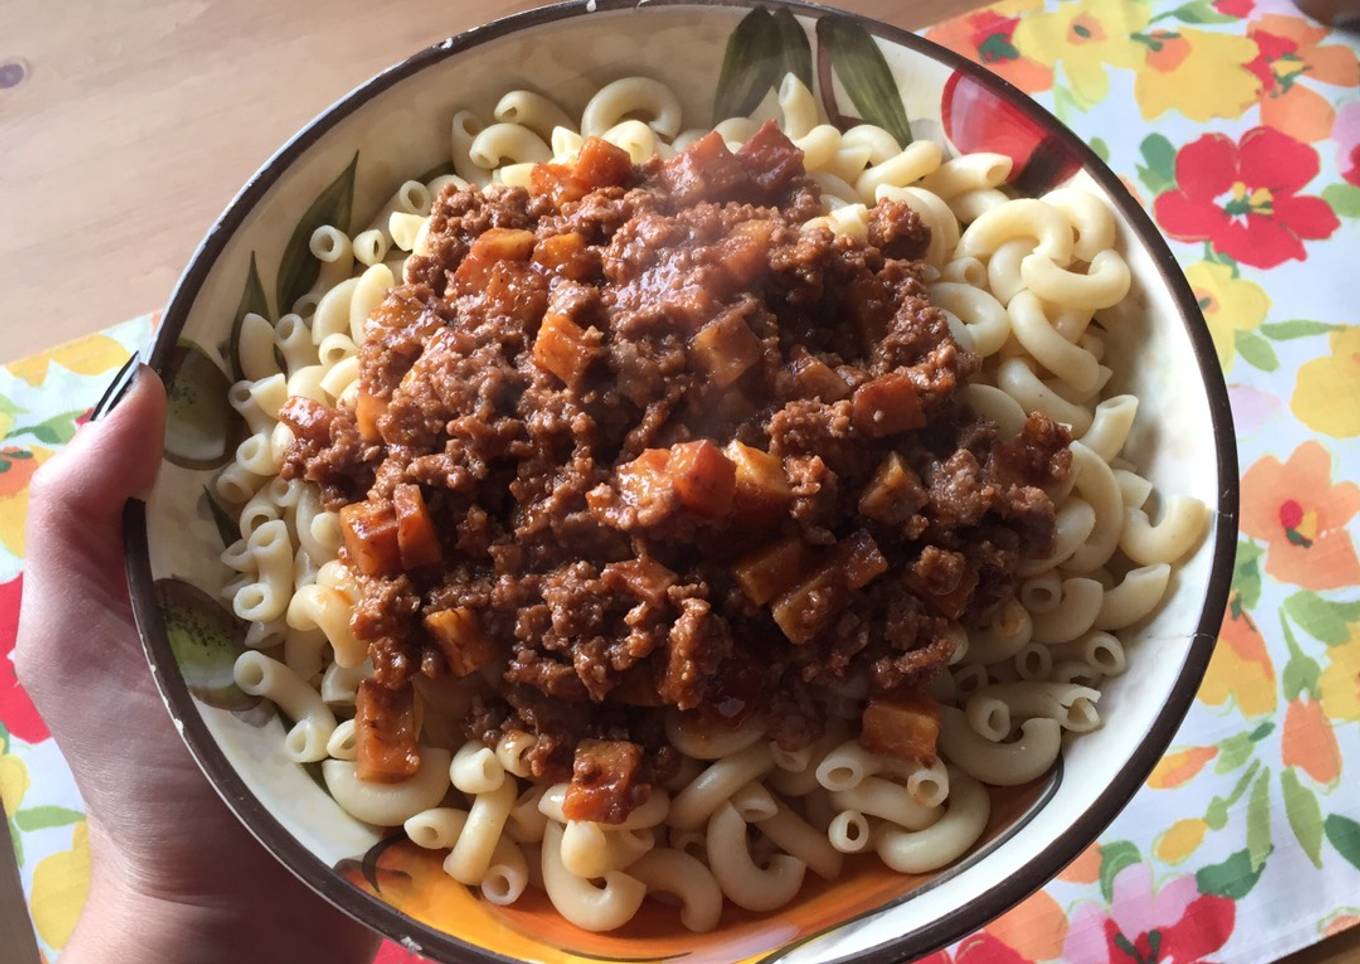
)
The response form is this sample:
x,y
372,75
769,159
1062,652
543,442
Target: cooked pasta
x,y
919,851
531,110
748,808
388,804
743,881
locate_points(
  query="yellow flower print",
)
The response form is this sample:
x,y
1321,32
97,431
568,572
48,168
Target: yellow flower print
x,y
1240,669
13,783
19,464
1340,681
1229,304
1180,841
1327,394
61,883
1083,37
1014,8
1201,74
84,356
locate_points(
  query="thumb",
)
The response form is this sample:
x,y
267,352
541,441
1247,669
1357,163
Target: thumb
x,y
75,528
74,532
74,609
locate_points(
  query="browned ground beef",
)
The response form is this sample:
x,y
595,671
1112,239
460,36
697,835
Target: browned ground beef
x,y
602,594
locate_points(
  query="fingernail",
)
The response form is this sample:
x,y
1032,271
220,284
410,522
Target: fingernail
x,y
118,388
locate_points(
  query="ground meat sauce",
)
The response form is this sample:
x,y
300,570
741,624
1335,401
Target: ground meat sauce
x,y
635,441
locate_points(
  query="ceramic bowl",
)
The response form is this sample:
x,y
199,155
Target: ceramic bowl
x,y
341,167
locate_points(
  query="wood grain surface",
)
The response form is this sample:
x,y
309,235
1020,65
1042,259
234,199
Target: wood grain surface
x,y
131,125
127,127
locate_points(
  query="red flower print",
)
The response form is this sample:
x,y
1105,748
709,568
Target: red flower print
x,y
1206,926
984,37
1346,133
1170,924
1242,198
1303,518
1235,8
16,709
980,948
983,948
1290,52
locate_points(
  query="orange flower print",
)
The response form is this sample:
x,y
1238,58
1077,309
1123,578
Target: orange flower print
x,y
1302,518
1309,742
1291,52
1180,766
1035,929
1240,670
1085,869
984,37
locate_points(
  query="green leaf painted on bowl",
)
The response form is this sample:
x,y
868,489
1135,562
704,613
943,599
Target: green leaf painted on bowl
x,y
253,300
794,50
298,269
201,427
864,73
206,639
226,526
750,64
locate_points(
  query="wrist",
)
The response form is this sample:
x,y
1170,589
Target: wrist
x,y
130,919
121,924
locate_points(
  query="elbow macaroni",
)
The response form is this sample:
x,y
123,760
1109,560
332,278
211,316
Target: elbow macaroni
x,y
1021,282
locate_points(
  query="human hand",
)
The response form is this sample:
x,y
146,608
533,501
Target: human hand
x,y
175,876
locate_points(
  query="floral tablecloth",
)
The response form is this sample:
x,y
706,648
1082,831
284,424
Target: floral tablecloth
x,y
1237,122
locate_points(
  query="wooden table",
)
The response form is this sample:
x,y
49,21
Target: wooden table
x,y
132,125
128,127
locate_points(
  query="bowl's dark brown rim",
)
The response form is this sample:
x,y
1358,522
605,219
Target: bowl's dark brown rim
x,y
938,933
